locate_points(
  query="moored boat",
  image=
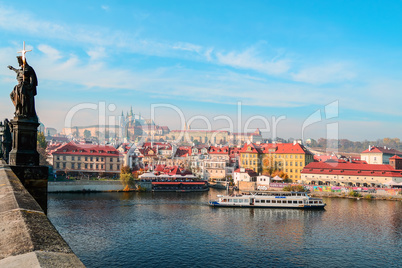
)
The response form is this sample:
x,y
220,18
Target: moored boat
x,y
299,200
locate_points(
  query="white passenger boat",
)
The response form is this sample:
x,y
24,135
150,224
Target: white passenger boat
x,y
300,200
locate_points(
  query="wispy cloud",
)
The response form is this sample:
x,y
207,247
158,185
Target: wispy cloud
x,y
324,73
249,59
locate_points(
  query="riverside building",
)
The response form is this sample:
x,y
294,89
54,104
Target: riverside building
x,y
353,173
87,159
290,158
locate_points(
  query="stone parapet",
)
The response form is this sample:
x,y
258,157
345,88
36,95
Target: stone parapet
x,y
27,237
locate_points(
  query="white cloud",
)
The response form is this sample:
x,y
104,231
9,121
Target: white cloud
x,y
325,73
249,59
105,7
97,53
50,52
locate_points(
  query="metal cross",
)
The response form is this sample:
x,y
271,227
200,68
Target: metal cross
x,y
23,51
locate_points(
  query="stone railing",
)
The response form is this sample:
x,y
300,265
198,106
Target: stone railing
x,y
27,237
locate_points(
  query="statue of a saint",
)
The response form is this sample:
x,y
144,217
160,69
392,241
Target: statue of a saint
x,y
24,92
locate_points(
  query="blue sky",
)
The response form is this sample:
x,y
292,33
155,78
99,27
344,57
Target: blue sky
x,y
277,58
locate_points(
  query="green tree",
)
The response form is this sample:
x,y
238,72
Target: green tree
x,y
126,176
41,146
41,141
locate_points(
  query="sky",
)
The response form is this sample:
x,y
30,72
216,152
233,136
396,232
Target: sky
x,y
295,69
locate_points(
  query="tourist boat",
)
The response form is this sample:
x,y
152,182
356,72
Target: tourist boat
x,y
299,200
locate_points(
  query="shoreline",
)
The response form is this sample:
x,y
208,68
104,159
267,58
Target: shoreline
x,y
363,196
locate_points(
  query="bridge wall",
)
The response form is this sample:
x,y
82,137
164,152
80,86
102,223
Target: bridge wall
x,y
27,237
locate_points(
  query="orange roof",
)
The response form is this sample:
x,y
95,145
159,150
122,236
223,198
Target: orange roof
x,y
279,148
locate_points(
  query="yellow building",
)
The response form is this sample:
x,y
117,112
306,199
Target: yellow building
x,y
290,158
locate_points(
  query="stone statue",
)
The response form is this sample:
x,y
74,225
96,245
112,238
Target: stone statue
x,y
6,142
24,92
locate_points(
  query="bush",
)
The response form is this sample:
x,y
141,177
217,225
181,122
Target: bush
x,y
368,196
354,194
127,179
294,188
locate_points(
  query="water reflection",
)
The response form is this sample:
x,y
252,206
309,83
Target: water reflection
x,y
180,230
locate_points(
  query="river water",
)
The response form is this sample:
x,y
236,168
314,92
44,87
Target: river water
x,y
181,230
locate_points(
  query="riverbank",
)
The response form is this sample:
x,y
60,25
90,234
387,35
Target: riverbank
x,y
368,196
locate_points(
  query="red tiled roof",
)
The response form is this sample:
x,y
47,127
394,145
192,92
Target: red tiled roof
x,y
280,148
72,148
383,150
395,157
341,167
219,150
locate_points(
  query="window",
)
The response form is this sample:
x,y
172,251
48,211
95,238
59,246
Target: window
x,y
72,158
64,157
57,158
97,166
92,159
57,165
79,165
64,165
72,165
97,159
111,159
86,158
86,166
79,158
111,166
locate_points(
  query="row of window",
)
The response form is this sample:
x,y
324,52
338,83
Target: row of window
x,y
275,156
279,201
85,166
86,158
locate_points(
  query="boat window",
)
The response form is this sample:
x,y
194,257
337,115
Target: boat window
x,y
311,202
315,202
273,201
257,201
236,200
268,201
230,200
300,202
262,201
294,202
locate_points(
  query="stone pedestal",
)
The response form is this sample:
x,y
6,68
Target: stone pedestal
x,y
25,133
35,181
24,158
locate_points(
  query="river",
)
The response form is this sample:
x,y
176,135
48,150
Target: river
x,y
181,230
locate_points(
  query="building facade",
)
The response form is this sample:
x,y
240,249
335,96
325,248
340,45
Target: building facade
x,y
350,173
290,158
379,155
87,159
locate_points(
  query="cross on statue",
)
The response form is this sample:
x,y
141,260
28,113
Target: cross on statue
x,y
23,51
